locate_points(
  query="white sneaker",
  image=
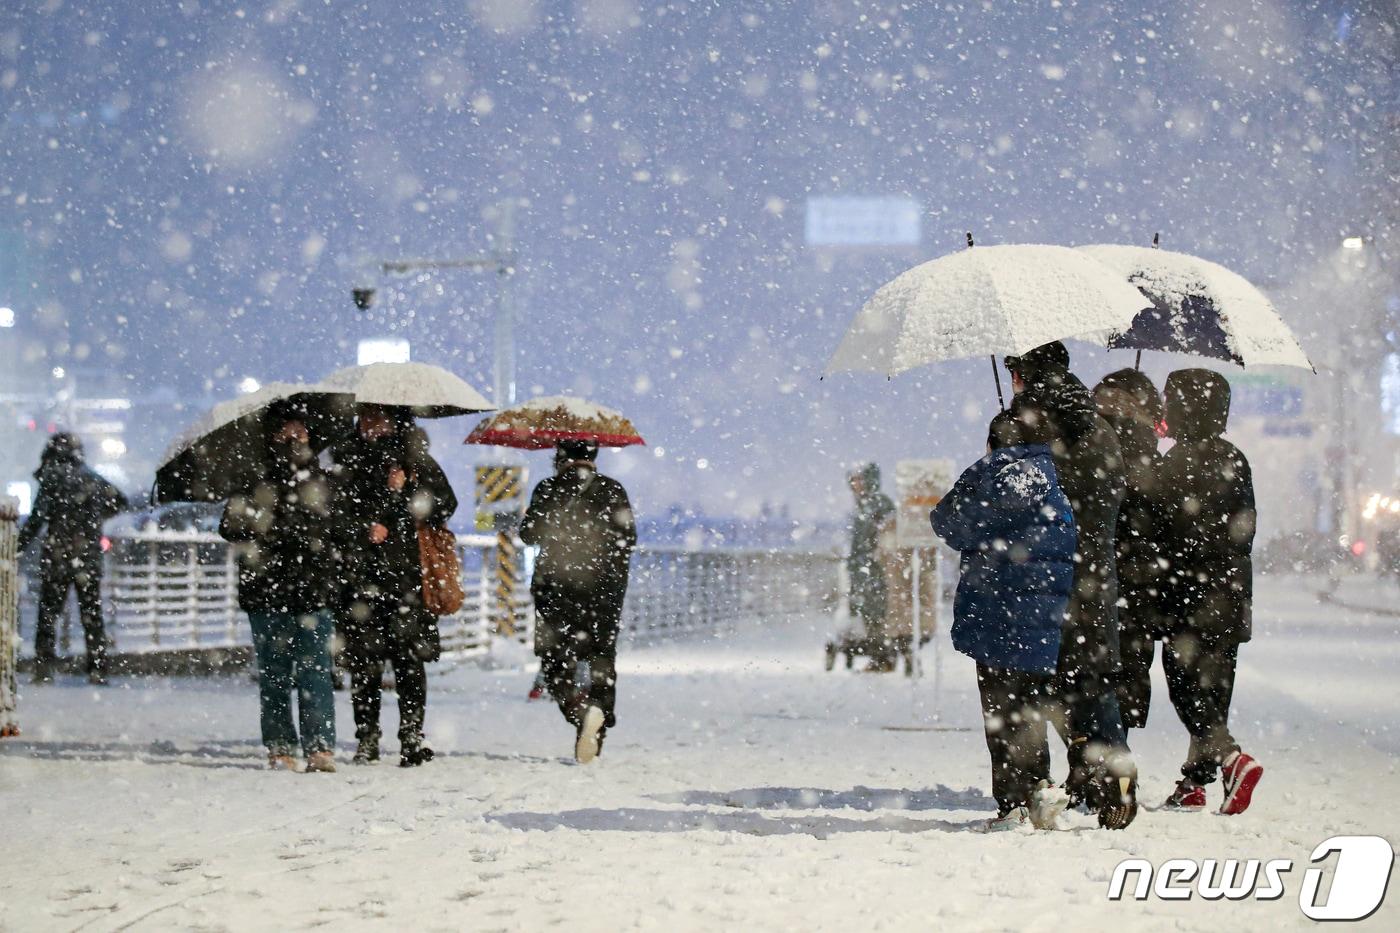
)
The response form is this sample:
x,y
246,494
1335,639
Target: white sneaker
x,y
1017,818
1047,802
587,744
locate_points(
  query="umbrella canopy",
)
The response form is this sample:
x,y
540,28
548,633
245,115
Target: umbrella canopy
x,y
986,300
544,422
430,391
1200,308
226,450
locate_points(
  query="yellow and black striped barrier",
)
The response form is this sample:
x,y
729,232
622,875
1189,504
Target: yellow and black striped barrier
x,y
500,492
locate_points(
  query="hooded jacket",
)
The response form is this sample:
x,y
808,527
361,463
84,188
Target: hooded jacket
x,y
583,524
1091,472
1012,522
869,597
73,502
1206,511
1128,401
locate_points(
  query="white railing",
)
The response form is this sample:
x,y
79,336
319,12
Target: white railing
x,y
172,591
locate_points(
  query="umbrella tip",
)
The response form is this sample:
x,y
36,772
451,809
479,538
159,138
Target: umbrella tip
x,y
1156,240
969,238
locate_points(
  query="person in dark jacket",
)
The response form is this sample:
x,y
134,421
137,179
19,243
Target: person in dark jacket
x,y
869,596
1128,400
282,532
1091,471
73,502
1012,522
1207,517
386,485
582,522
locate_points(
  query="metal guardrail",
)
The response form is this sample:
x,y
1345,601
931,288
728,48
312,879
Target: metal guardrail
x,y
172,591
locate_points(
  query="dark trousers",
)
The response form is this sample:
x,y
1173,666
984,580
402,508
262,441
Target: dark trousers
x,y
1201,681
1137,647
1084,710
579,626
294,659
1014,721
53,594
377,629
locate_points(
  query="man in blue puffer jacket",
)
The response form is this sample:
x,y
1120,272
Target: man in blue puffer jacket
x,y
1012,522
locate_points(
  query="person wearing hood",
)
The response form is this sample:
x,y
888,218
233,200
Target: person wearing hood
x,y
281,531
1207,516
73,503
869,595
1091,471
582,522
1012,523
1128,400
386,485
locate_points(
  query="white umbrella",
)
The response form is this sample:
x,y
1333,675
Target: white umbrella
x,y
1200,308
986,301
431,391
226,449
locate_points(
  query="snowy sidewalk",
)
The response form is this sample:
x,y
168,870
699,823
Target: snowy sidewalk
x,y
744,789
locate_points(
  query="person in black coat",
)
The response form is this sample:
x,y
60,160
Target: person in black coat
x,y
1207,517
73,502
869,594
1091,470
1128,400
386,485
281,530
582,522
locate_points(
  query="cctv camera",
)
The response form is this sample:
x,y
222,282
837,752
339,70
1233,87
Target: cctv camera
x,y
364,297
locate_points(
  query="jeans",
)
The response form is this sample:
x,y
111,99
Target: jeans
x,y
1014,721
294,651
53,593
1201,683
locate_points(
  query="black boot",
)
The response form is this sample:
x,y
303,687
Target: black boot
x,y
367,751
413,754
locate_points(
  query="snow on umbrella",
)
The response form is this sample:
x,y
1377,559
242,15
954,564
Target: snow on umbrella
x,y
430,391
1200,308
986,301
544,422
225,450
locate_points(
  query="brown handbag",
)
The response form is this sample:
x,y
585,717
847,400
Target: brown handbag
x,y
442,571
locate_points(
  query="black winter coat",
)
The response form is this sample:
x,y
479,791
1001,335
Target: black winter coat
x,y
284,537
1090,466
73,502
363,498
583,524
1137,547
1206,512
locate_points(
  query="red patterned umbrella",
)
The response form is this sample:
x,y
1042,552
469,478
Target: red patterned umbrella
x,y
544,422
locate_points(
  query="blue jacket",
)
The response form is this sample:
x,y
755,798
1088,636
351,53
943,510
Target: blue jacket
x,y
1012,522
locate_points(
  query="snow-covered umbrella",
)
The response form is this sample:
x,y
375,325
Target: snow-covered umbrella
x,y
544,422
986,301
226,450
430,391
1199,308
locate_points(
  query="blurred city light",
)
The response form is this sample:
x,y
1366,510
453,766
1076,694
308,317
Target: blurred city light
x,y
382,350
113,446
249,384
7,317
1353,242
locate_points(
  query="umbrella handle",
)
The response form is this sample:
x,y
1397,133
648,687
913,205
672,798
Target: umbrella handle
x,y
1138,363
1001,400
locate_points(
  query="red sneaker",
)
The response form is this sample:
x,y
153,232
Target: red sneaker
x,y
536,693
1187,796
1239,773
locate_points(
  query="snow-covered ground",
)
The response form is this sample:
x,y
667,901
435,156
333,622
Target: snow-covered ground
x,y
744,789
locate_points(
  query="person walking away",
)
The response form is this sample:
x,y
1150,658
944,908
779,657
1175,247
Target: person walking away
x,y
869,595
1129,402
1207,515
72,504
387,484
582,522
1091,472
1013,524
281,531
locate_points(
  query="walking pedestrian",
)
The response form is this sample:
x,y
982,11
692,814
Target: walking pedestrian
x,y
582,522
1012,522
1207,516
1090,467
1129,402
387,485
282,533
869,593
72,504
